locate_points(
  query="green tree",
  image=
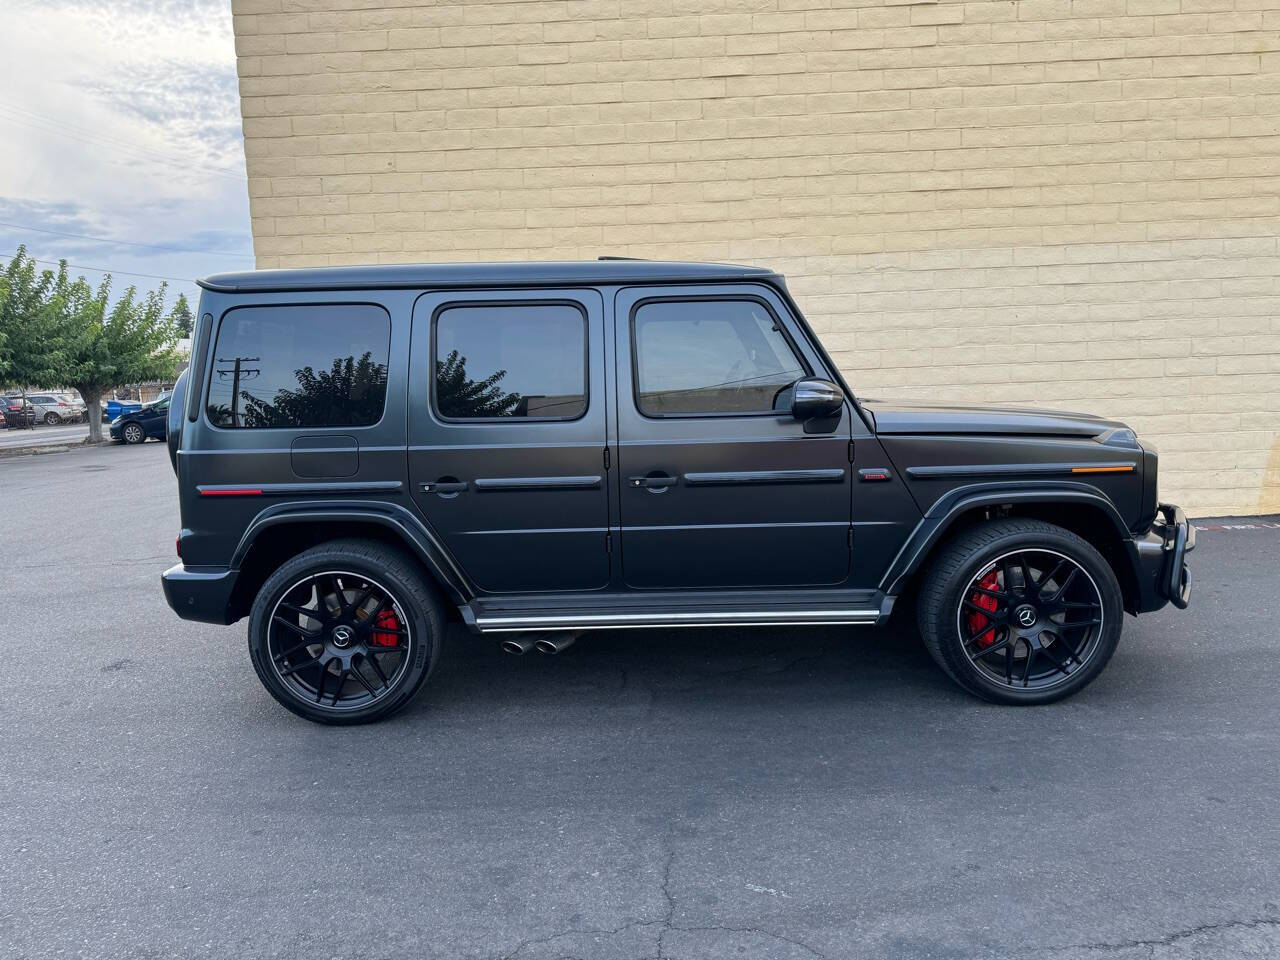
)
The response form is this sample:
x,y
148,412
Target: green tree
x,y
350,392
30,300
183,317
460,396
104,347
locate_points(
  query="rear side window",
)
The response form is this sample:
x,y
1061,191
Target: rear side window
x,y
499,361
312,366
710,357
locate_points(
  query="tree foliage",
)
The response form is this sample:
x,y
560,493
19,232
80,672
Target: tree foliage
x,y
183,317
459,396
351,392
61,332
31,301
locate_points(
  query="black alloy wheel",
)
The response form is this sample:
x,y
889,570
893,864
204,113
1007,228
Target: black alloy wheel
x,y
346,632
1020,611
1030,619
339,640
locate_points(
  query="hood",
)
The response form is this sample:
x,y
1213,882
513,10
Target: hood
x,y
933,418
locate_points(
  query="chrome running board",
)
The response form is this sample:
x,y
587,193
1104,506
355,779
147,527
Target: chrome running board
x,y
657,618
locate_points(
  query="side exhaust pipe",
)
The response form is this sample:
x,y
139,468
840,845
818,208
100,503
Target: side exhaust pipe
x,y
553,643
517,646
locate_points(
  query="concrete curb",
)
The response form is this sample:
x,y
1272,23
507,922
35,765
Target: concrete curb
x,y
35,450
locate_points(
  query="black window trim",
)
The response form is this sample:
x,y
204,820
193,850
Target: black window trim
x,y
719,298
211,345
547,302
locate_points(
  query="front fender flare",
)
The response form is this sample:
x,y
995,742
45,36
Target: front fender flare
x,y
934,525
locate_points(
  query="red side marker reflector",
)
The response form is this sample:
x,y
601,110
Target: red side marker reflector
x,y
246,492
1102,469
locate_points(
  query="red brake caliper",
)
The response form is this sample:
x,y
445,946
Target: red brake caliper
x,y
976,620
386,621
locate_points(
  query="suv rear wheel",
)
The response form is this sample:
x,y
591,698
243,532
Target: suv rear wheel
x,y
1020,611
346,632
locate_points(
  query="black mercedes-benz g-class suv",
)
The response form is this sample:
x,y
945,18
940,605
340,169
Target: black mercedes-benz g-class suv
x,y
539,449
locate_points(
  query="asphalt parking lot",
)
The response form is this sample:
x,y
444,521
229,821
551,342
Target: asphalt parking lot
x,y
756,794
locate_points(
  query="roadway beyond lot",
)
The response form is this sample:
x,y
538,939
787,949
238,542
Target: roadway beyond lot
x,y
43,435
755,794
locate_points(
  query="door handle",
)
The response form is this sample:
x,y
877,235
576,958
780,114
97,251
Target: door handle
x,y
444,486
652,483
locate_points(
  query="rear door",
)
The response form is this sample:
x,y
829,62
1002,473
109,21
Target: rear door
x,y
507,414
720,486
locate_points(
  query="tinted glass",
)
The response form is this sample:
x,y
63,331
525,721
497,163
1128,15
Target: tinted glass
x,y
710,356
511,360
319,366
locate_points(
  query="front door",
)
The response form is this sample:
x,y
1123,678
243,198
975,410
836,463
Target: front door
x,y
719,485
507,435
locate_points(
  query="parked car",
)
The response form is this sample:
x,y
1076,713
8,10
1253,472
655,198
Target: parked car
x,y
52,409
137,426
116,408
540,449
75,402
18,412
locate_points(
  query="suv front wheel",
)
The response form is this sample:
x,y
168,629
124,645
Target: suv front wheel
x,y
1020,611
346,632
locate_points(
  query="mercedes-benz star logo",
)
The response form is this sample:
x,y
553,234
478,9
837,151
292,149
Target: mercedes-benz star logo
x,y
1026,616
342,636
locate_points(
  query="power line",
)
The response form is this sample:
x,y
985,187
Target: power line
x,y
134,151
109,138
123,273
127,243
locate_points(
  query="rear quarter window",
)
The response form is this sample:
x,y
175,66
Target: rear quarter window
x,y
300,366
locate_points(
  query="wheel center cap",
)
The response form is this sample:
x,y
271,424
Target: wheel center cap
x,y
1025,615
343,636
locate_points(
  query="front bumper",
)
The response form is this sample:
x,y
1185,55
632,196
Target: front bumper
x,y
1162,555
200,593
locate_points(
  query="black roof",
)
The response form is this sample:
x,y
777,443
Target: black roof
x,y
567,273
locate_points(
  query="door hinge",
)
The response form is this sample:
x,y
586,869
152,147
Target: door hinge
x,y
608,543
606,458
851,451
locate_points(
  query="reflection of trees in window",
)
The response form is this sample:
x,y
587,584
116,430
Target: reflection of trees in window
x,y
459,396
350,393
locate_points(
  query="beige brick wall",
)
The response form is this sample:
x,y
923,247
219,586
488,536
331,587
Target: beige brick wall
x,y
1057,202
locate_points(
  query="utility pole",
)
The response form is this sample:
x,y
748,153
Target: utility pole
x,y
238,372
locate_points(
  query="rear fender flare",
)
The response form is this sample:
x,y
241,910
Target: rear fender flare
x,y
409,530
933,527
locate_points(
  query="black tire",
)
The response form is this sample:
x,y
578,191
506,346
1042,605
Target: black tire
x,y
1070,652
393,573
133,433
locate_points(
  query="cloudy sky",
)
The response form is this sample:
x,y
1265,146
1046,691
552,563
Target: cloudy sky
x,y
119,120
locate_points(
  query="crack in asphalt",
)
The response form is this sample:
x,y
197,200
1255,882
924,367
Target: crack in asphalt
x,y
665,925
1175,937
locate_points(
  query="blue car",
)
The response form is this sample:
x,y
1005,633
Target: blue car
x,y
118,408
149,420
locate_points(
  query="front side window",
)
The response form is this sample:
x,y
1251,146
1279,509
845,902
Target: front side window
x,y
312,366
510,361
710,357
